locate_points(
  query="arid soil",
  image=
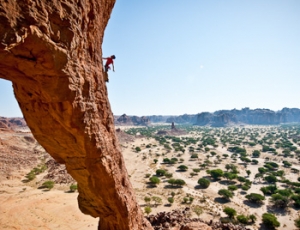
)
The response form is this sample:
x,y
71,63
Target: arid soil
x,y
24,205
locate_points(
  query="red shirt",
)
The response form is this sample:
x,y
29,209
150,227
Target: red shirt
x,y
109,61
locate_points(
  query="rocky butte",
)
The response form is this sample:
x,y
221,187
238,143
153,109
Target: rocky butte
x,y
51,52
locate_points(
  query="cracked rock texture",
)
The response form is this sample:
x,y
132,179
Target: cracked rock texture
x,y
51,51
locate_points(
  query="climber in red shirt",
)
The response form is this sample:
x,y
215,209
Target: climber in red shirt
x,y
109,60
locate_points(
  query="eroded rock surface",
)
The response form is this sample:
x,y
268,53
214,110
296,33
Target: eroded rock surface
x,y
51,51
179,220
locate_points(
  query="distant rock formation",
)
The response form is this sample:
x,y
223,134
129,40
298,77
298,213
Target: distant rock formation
x,y
132,120
224,118
144,121
51,51
172,132
124,120
220,118
12,123
186,118
158,118
247,116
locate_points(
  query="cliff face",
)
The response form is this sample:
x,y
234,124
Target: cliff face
x,y
247,116
51,51
186,118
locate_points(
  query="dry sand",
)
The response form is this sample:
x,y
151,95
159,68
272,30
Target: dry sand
x,y
139,164
23,206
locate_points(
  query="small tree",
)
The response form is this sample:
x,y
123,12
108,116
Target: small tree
x,y
171,200
183,168
271,179
248,172
216,173
198,210
232,187
252,218
168,175
270,220
172,181
154,180
256,153
279,200
230,212
225,193
160,172
137,149
242,219
73,187
203,182
157,200
179,182
48,184
255,198
194,156
147,199
197,170
147,210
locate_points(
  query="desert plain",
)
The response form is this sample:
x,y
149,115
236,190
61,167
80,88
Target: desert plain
x,y
238,161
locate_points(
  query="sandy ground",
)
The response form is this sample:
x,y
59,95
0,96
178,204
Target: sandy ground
x,y
23,206
139,164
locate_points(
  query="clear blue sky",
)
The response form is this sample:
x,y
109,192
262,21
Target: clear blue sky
x,y
175,57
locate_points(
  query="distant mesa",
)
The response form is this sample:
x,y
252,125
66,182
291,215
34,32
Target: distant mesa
x,y
132,120
220,118
12,123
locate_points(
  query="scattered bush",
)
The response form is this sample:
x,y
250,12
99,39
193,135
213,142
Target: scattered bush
x,y
230,212
73,187
147,210
48,184
242,219
203,182
154,180
227,194
255,198
270,220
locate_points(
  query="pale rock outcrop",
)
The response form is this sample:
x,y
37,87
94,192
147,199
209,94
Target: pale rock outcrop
x,y
51,51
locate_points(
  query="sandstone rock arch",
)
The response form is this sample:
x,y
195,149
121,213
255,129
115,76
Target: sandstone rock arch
x,y
51,51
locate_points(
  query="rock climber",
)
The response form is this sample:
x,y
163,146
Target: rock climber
x,y
109,60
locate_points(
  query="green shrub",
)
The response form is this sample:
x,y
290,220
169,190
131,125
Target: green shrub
x,y
270,220
160,172
255,198
171,200
232,187
242,219
48,184
73,187
147,210
230,212
154,180
183,168
203,182
227,194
